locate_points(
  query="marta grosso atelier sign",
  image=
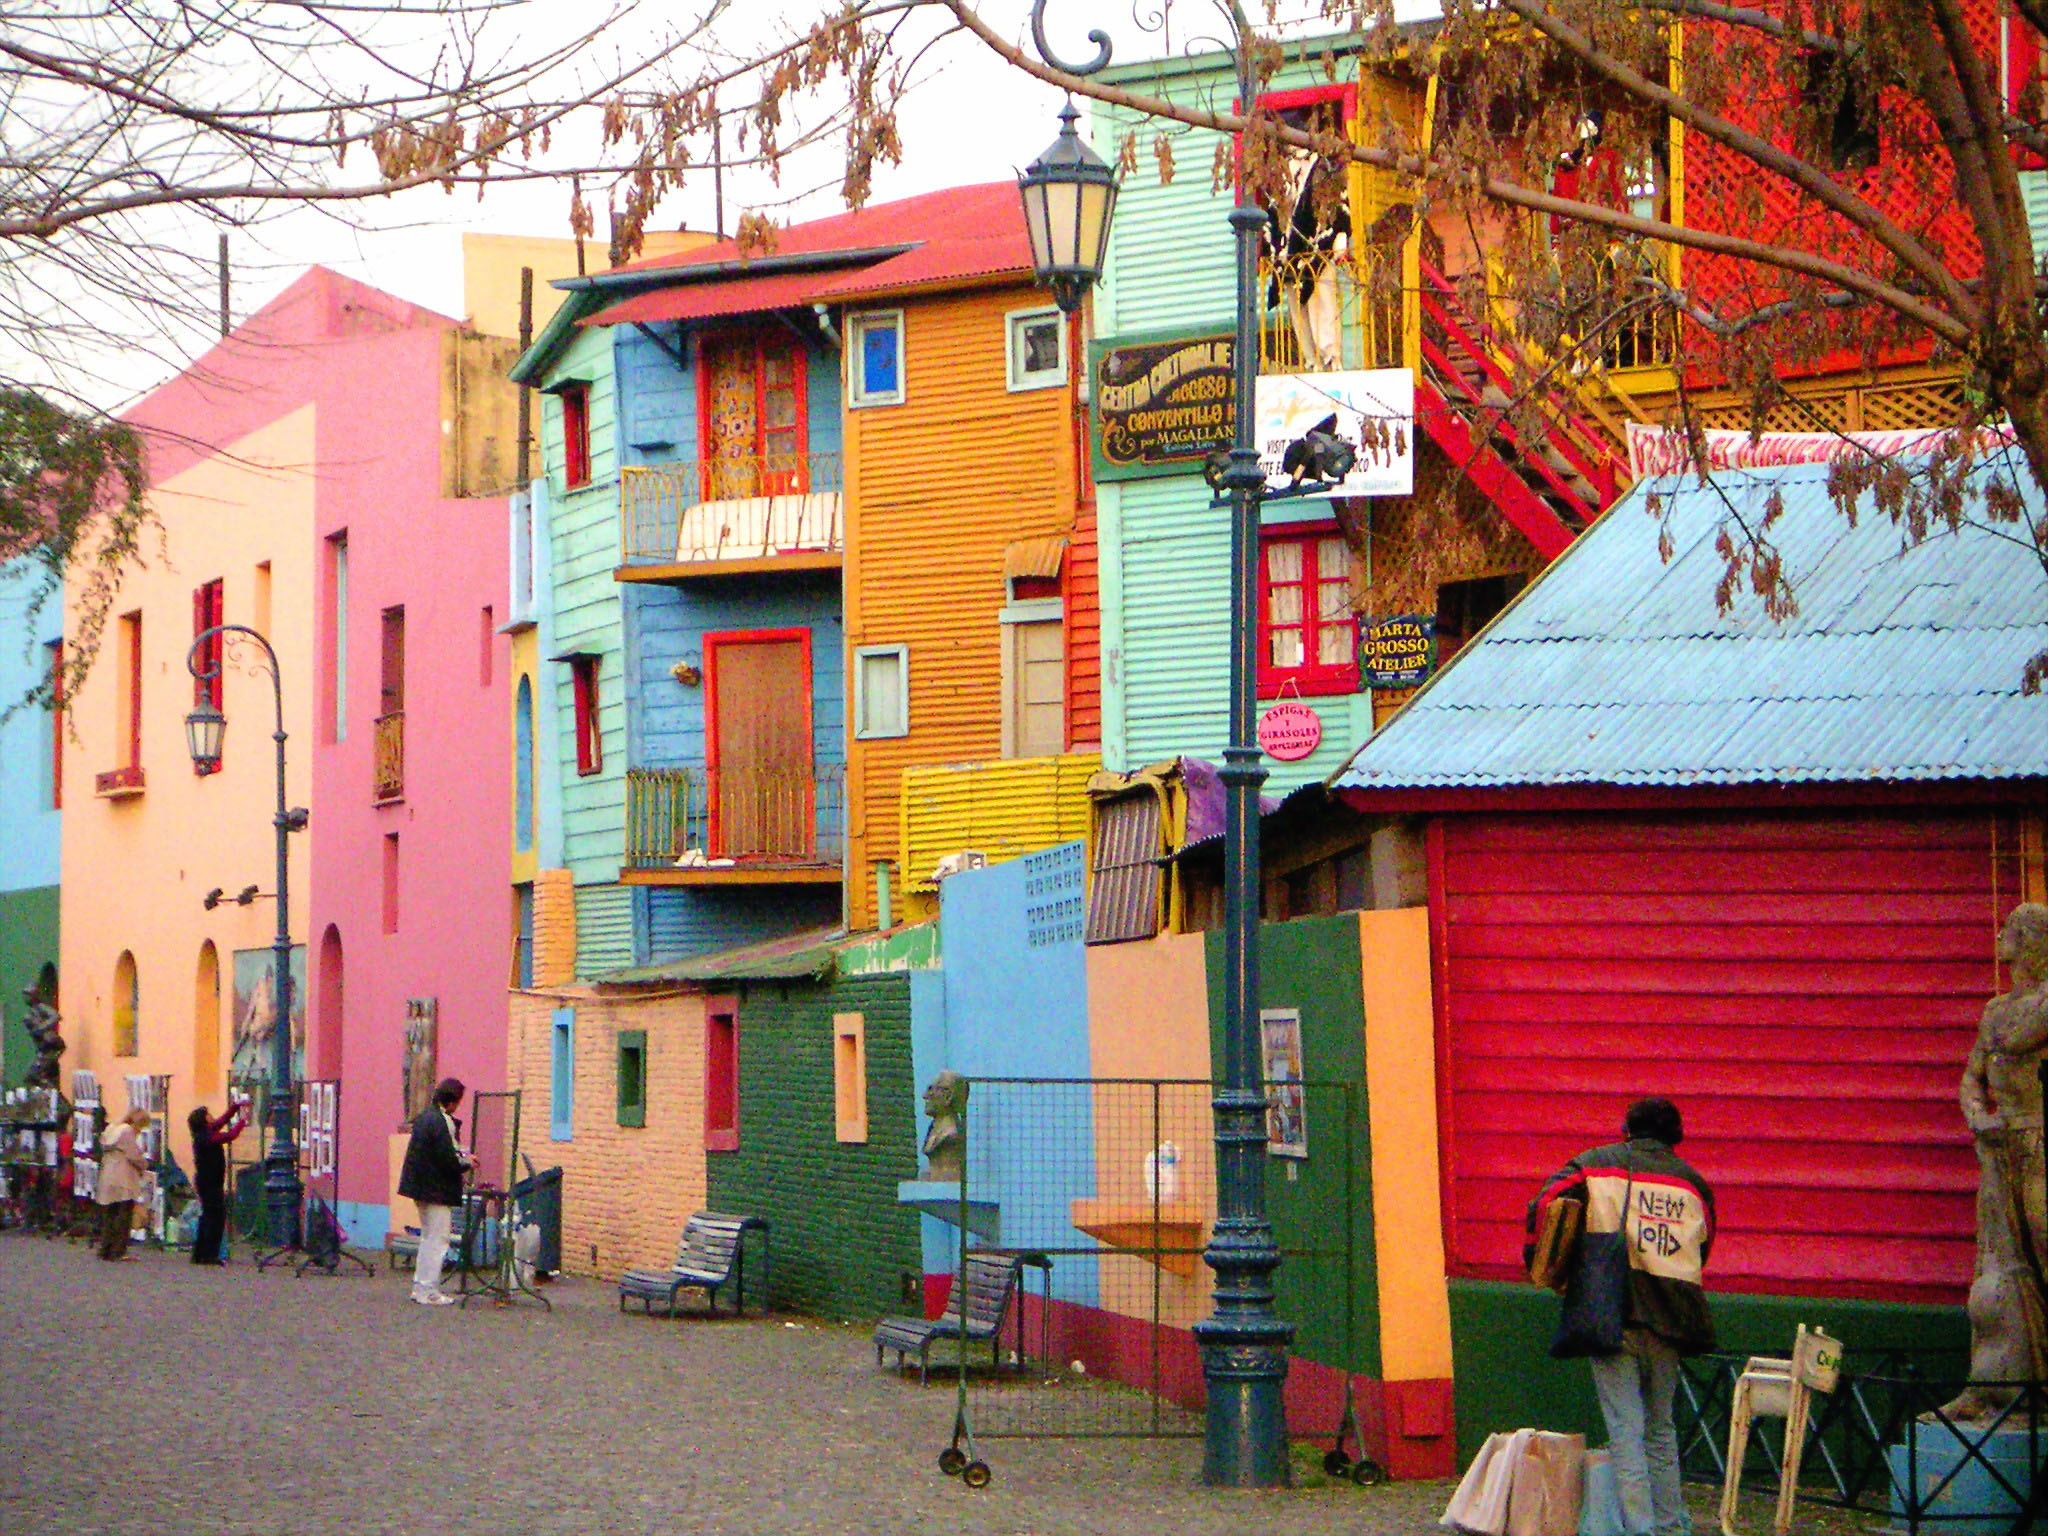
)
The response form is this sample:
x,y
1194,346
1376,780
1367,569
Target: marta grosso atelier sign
x,y
1161,404
1397,652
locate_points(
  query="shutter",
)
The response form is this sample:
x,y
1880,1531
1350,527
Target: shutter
x,y
1124,898
1806,988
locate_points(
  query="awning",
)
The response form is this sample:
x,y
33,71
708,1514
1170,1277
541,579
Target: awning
x,y
704,301
796,957
1034,557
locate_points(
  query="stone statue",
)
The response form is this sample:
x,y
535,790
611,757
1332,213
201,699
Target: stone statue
x,y
41,1021
2002,1103
945,1144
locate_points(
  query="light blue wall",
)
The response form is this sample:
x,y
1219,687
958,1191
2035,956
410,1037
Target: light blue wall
x,y
658,396
1014,1003
549,843
28,823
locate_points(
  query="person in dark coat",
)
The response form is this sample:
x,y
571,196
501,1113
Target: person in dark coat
x,y
210,1139
431,1177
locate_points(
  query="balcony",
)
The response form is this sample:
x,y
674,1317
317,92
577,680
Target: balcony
x,y
388,783
725,516
118,783
719,826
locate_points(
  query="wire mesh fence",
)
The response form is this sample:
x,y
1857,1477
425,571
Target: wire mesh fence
x,y
1098,1196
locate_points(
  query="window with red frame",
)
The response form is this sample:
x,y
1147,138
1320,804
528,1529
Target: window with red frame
x,y
1308,634
575,400
721,1076
752,420
589,729
208,610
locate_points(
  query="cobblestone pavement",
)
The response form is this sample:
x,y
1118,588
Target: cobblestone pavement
x,y
153,1397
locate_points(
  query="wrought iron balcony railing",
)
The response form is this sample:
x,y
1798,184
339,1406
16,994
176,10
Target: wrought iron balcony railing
x,y
735,818
744,508
389,773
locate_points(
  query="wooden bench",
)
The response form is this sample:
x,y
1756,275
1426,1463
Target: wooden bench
x,y
711,1255
977,1309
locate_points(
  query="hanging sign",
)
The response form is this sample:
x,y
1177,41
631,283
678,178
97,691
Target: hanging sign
x,y
1289,731
1160,404
1326,435
1397,652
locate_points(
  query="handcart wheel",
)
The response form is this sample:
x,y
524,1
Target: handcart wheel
x,y
1367,1473
951,1460
976,1474
1336,1463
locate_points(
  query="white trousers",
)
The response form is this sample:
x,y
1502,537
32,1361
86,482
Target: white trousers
x,y
435,1223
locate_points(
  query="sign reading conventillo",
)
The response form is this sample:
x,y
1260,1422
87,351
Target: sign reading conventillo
x,y
1162,403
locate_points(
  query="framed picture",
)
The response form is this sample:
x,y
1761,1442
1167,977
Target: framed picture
x,y
256,1013
422,1041
1286,1100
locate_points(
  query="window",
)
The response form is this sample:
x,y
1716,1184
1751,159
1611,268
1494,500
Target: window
x,y
125,778
1463,608
633,1077
1034,679
391,882
337,633
522,936
881,691
487,644
1308,634
127,1005
208,605
260,598
721,1075
1037,348
874,358
575,400
56,797
562,1075
589,727
850,1076
522,767
389,766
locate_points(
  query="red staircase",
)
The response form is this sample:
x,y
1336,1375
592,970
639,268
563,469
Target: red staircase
x,y
1548,470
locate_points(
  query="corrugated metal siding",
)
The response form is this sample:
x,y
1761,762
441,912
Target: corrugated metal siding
x,y
2034,189
1084,634
604,929
692,920
1615,668
937,488
583,530
1130,869
1806,988
1004,810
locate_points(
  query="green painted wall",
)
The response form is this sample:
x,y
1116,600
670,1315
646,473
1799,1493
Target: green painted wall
x,y
28,942
1313,964
1506,1380
840,1245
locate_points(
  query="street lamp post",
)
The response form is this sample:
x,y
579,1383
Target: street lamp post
x,y
1244,1341
205,727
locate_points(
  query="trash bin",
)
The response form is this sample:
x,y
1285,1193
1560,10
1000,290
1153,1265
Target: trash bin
x,y
538,1198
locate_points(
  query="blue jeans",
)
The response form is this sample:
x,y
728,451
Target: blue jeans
x,y
1636,1388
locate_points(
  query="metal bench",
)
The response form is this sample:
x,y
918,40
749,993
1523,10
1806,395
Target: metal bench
x,y
977,1309
712,1254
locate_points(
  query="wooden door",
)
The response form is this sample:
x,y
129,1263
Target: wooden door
x,y
762,799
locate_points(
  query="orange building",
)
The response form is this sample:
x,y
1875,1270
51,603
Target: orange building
x,y
970,599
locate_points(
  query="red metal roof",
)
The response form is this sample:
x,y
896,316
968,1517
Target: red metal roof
x,y
962,232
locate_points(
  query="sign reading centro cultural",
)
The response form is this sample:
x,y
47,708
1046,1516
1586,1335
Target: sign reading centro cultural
x,y
1397,652
1161,404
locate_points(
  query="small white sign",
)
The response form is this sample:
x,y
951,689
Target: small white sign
x,y
1327,435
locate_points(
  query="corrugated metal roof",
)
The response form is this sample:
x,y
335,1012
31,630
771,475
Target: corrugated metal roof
x,y
795,956
702,301
1614,668
945,258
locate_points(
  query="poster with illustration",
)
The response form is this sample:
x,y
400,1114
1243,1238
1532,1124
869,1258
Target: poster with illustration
x,y
422,1040
1286,1100
256,1013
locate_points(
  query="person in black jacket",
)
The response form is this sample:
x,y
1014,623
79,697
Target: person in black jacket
x,y
210,1138
431,1177
1634,1335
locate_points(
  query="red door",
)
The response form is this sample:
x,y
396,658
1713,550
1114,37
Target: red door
x,y
759,746
1805,986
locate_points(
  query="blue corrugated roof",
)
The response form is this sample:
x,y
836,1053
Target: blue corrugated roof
x,y
1614,668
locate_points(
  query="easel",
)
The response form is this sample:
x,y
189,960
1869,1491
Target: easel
x,y
494,1150
320,1165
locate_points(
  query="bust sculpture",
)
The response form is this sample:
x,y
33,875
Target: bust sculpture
x,y
41,1021
2002,1105
945,1144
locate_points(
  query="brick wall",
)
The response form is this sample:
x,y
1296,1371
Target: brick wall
x,y
842,1246
554,928
626,1191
